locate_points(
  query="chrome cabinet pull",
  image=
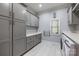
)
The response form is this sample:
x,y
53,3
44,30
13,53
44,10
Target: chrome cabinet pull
x,y
66,43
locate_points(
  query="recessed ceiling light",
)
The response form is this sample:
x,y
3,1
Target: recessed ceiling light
x,y
40,5
24,11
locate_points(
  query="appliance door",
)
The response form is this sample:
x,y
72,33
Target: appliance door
x,y
69,48
62,47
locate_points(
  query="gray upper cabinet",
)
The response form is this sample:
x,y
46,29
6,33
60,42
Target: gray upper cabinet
x,y
19,38
19,29
28,18
4,9
19,11
72,17
31,20
4,38
37,22
34,21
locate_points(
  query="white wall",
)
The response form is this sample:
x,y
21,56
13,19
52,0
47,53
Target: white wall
x,y
44,23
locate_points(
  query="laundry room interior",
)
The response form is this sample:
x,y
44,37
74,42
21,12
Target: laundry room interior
x,y
39,29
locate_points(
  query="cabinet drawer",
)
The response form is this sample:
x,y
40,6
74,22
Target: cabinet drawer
x,y
29,45
29,39
35,42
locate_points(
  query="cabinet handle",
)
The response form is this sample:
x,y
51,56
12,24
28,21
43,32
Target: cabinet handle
x,y
13,18
66,43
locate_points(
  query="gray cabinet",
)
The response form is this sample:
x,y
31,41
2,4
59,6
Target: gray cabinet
x,y
4,9
32,41
19,11
12,44
72,18
29,42
31,20
28,18
4,37
19,46
39,38
29,39
35,40
19,29
19,38
29,45
5,29
34,21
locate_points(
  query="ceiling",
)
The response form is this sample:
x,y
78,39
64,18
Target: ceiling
x,y
45,6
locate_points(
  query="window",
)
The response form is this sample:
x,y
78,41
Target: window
x,y
55,26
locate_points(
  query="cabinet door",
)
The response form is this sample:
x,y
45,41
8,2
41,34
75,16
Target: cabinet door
x,y
39,38
4,9
29,42
75,19
33,20
72,18
35,40
29,45
28,18
19,46
37,21
19,38
4,38
29,39
19,11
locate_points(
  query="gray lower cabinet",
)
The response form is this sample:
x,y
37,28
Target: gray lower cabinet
x,y
29,45
4,49
32,41
39,38
4,37
29,39
19,38
19,47
35,40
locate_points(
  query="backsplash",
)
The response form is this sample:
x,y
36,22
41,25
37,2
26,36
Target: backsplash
x,y
30,30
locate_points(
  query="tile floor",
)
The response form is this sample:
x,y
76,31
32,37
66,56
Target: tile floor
x,y
45,48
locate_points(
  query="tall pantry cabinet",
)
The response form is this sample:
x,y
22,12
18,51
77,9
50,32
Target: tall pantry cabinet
x,y
5,29
12,29
19,30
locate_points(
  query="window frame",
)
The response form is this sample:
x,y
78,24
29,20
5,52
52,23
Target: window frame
x,y
51,26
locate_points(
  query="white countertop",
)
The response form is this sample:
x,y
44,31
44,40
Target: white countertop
x,y
73,36
33,34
